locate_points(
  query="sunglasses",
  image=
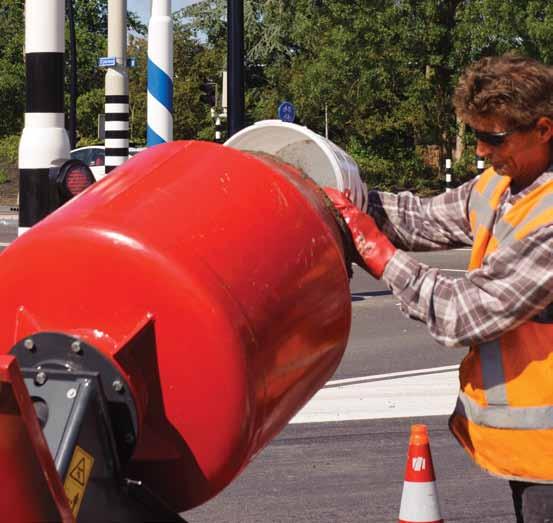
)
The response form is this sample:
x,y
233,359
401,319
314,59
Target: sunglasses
x,y
497,139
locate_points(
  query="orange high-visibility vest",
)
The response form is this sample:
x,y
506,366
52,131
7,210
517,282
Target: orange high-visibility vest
x,y
504,412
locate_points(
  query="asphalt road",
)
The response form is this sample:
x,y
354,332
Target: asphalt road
x,y
352,470
8,229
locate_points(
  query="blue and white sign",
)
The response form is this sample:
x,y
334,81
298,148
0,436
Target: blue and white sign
x,y
107,61
287,112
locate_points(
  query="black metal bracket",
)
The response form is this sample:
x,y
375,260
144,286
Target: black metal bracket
x,y
53,364
88,417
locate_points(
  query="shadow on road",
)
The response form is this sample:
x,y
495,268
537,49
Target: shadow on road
x,y
359,296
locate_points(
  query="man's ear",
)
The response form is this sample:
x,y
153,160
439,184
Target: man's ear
x,y
544,126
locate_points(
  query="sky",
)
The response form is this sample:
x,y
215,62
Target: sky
x,y
143,7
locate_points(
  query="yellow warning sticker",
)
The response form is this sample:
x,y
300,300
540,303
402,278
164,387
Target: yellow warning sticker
x,y
77,478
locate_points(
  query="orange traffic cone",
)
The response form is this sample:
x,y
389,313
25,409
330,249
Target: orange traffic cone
x,y
419,500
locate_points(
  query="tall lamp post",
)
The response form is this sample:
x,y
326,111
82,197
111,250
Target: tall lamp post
x,y
73,77
235,53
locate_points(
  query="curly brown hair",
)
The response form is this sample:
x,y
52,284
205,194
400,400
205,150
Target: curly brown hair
x,y
515,88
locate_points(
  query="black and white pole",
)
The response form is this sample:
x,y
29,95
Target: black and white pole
x,y
448,179
479,165
222,117
44,138
117,88
218,130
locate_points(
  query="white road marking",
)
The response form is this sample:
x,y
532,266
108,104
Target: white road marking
x,y
390,375
2,244
425,392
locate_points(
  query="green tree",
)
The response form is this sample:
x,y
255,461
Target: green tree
x,y
384,71
12,69
91,38
91,34
349,57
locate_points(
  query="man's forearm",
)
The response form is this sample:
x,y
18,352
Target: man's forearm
x,y
514,286
423,224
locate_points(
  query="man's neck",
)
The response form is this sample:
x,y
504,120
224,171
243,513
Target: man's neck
x,y
521,183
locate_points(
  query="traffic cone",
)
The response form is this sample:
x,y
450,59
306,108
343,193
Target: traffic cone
x,y
419,500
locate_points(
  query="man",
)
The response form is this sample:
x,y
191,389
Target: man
x,y
503,308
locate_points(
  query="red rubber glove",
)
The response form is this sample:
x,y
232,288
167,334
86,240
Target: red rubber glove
x,y
371,243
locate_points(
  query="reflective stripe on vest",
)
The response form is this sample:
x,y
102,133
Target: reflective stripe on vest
x,y
492,373
483,206
507,384
502,417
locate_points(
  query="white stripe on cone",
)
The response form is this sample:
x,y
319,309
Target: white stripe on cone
x,y
419,503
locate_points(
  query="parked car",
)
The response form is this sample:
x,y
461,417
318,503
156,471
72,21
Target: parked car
x,y
94,156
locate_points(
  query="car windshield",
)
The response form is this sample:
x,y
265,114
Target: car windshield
x,y
95,156
91,156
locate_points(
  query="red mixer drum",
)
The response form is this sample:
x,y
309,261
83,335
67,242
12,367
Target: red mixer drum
x,y
215,282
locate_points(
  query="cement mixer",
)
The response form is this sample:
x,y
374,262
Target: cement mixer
x,y
160,329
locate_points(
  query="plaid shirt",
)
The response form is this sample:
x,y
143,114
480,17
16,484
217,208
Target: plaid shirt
x,y
514,284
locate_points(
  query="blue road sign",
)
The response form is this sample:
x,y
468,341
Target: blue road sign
x,y
287,112
107,61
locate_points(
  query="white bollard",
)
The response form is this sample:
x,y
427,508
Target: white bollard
x,y
44,138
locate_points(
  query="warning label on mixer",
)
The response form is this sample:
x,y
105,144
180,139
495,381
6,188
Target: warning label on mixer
x,y
77,478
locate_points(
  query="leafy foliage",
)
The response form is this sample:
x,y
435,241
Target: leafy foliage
x,y
9,146
383,71
12,69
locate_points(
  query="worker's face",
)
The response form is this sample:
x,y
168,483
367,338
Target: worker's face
x,y
523,154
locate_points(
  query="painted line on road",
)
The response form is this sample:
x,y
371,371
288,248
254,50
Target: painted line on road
x,y
391,375
424,392
453,270
3,244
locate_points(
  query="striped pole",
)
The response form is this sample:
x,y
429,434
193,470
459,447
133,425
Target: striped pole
x,y
44,138
448,174
218,130
117,88
160,74
219,125
480,165
224,95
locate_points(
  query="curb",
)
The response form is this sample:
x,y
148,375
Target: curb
x,y
9,212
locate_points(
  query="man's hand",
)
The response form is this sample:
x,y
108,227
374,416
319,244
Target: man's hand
x,y
372,245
